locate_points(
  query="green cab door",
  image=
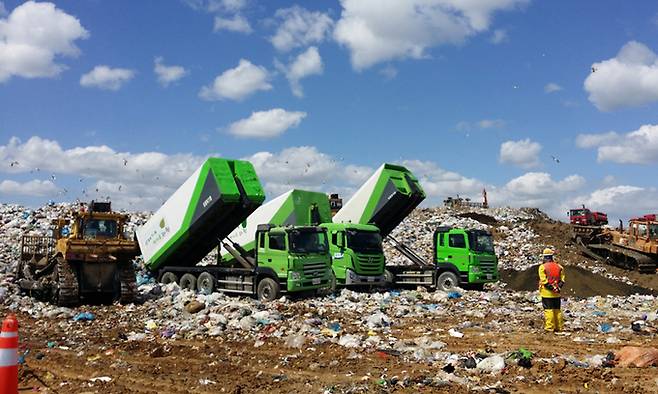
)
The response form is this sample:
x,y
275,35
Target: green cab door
x,y
275,253
455,250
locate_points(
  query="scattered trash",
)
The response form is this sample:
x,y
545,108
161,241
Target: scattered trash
x,y
195,306
492,364
104,379
295,341
455,333
635,356
454,294
84,316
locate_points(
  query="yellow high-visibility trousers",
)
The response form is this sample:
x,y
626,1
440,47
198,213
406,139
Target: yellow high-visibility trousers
x,y
553,317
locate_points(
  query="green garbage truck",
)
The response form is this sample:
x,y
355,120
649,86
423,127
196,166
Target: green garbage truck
x,y
356,251
385,200
199,216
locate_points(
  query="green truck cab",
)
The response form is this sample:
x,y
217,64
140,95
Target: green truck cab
x,y
296,256
357,254
465,258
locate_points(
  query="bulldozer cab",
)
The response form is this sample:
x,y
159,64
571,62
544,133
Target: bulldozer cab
x,y
95,221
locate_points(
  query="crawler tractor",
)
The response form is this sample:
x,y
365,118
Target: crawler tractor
x,y
87,255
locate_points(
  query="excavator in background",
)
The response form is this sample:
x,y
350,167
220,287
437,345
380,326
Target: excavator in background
x,y
635,248
88,255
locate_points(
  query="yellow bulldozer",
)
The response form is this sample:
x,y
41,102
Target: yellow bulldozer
x,y
634,248
87,256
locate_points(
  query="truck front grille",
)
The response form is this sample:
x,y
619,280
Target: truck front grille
x,y
314,270
369,264
488,266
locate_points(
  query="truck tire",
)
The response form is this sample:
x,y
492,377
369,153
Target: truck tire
x,y
268,290
447,281
187,281
168,277
205,283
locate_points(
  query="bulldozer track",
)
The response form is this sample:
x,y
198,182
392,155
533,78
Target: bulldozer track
x,y
620,257
128,283
67,291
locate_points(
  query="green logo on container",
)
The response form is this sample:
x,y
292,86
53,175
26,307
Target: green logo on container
x,y
162,223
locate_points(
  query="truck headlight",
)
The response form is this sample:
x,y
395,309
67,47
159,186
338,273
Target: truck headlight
x,y
475,269
295,275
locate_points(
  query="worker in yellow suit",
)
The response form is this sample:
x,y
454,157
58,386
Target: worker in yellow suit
x,y
551,280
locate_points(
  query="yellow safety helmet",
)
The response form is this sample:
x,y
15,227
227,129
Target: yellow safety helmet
x,y
547,252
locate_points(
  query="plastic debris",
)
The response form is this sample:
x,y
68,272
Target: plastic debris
x,y
455,333
491,364
84,316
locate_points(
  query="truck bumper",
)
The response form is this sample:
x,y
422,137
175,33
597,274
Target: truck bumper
x,y
354,279
304,283
482,277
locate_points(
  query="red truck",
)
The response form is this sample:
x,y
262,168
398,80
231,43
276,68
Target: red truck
x,y
585,217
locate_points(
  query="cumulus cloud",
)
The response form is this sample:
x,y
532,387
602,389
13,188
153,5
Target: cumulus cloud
x,y
299,27
481,124
236,23
628,80
33,188
439,183
389,72
522,153
305,64
379,30
552,87
91,164
637,147
304,167
33,36
214,6
499,36
167,74
106,78
237,83
266,124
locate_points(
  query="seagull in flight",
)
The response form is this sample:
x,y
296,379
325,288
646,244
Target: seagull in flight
x,y
555,159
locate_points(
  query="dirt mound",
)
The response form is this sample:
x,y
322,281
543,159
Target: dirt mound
x,y
580,283
482,218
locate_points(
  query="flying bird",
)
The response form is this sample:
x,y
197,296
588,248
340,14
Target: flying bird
x,y
555,159
593,69
125,162
13,163
53,177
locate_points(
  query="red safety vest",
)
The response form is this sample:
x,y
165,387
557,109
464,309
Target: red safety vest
x,y
553,273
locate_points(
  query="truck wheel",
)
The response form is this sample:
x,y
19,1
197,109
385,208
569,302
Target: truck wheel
x,y
168,277
268,290
205,283
187,281
447,281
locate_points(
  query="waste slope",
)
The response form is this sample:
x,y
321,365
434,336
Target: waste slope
x,y
580,283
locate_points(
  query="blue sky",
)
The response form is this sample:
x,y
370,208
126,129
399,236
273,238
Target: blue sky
x,y
490,94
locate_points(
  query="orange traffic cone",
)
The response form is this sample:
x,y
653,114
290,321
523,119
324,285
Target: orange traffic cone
x,y
9,356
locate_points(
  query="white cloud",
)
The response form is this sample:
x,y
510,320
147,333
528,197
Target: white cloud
x,y
379,30
33,188
305,167
499,36
237,24
305,64
595,140
542,184
439,183
134,171
628,80
481,124
299,27
522,153
637,147
214,6
389,72
237,83
107,78
552,87
266,124
33,36
168,74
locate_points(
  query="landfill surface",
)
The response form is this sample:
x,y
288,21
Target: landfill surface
x,y
381,340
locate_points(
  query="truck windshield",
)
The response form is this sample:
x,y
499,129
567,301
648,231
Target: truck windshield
x,y
653,230
100,228
577,212
364,241
483,242
308,241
